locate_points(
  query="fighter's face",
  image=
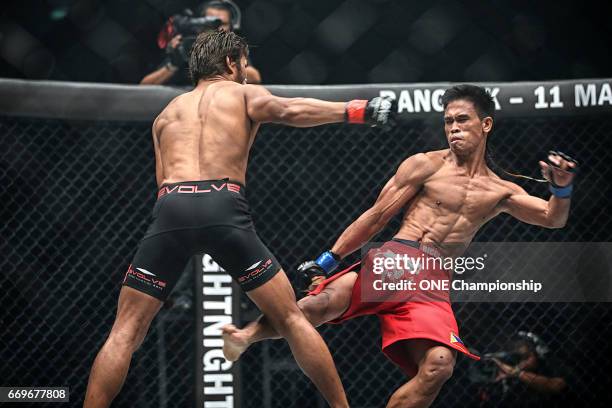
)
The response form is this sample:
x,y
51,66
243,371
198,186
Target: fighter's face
x,y
222,14
465,131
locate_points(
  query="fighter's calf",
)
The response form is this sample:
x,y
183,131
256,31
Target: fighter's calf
x,y
435,368
315,308
331,302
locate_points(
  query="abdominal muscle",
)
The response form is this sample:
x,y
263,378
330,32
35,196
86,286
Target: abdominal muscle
x,y
447,230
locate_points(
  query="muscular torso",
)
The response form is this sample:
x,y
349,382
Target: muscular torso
x,y
204,134
451,206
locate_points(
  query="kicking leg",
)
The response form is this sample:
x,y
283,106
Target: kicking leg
x,y
435,364
318,309
134,314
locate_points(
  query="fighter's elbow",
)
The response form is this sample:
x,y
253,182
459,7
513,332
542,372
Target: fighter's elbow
x,y
287,115
560,224
547,219
556,223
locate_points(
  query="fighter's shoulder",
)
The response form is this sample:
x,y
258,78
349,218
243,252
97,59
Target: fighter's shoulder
x,y
437,158
166,112
231,90
508,187
426,161
173,105
254,91
420,165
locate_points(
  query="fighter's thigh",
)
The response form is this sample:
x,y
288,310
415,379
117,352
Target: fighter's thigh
x,y
245,257
158,263
275,298
135,312
331,302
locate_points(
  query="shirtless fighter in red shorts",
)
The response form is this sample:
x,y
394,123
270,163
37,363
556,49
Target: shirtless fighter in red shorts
x,y
448,195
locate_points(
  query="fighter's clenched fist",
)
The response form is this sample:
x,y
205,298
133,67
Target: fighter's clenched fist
x,y
559,169
377,111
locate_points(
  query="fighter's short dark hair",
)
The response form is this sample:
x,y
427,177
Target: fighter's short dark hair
x,y
482,100
209,51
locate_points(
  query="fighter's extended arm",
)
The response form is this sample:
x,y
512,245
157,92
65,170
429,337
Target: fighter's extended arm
x,y
554,212
402,187
263,107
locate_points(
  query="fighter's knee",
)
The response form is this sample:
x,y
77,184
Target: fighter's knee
x,y
128,338
289,322
437,368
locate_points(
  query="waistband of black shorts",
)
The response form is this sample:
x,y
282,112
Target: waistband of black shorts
x,y
429,249
201,187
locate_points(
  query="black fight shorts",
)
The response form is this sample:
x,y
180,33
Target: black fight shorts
x,y
195,217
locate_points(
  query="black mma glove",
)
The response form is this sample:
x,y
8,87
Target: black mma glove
x,y
379,111
313,272
559,171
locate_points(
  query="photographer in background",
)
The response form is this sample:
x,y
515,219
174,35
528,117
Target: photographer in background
x,y
178,35
526,375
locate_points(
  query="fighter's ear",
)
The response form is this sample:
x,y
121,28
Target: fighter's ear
x,y
487,124
230,65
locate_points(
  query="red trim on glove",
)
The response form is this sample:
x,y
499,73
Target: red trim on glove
x,y
355,111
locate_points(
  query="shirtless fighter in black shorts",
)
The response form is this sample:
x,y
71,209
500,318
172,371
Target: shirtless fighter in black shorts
x,y
202,140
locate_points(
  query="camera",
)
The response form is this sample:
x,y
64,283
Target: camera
x,y
189,27
179,33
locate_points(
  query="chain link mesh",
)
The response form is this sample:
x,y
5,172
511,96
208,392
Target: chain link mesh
x,y
77,197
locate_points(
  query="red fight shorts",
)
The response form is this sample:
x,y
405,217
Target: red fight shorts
x,y
417,316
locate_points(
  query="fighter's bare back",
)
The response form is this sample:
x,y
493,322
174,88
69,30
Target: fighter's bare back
x,y
207,133
204,134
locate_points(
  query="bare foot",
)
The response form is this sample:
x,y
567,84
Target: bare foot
x,y
235,342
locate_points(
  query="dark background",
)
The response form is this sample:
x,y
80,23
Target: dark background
x,y
320,41
77,197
